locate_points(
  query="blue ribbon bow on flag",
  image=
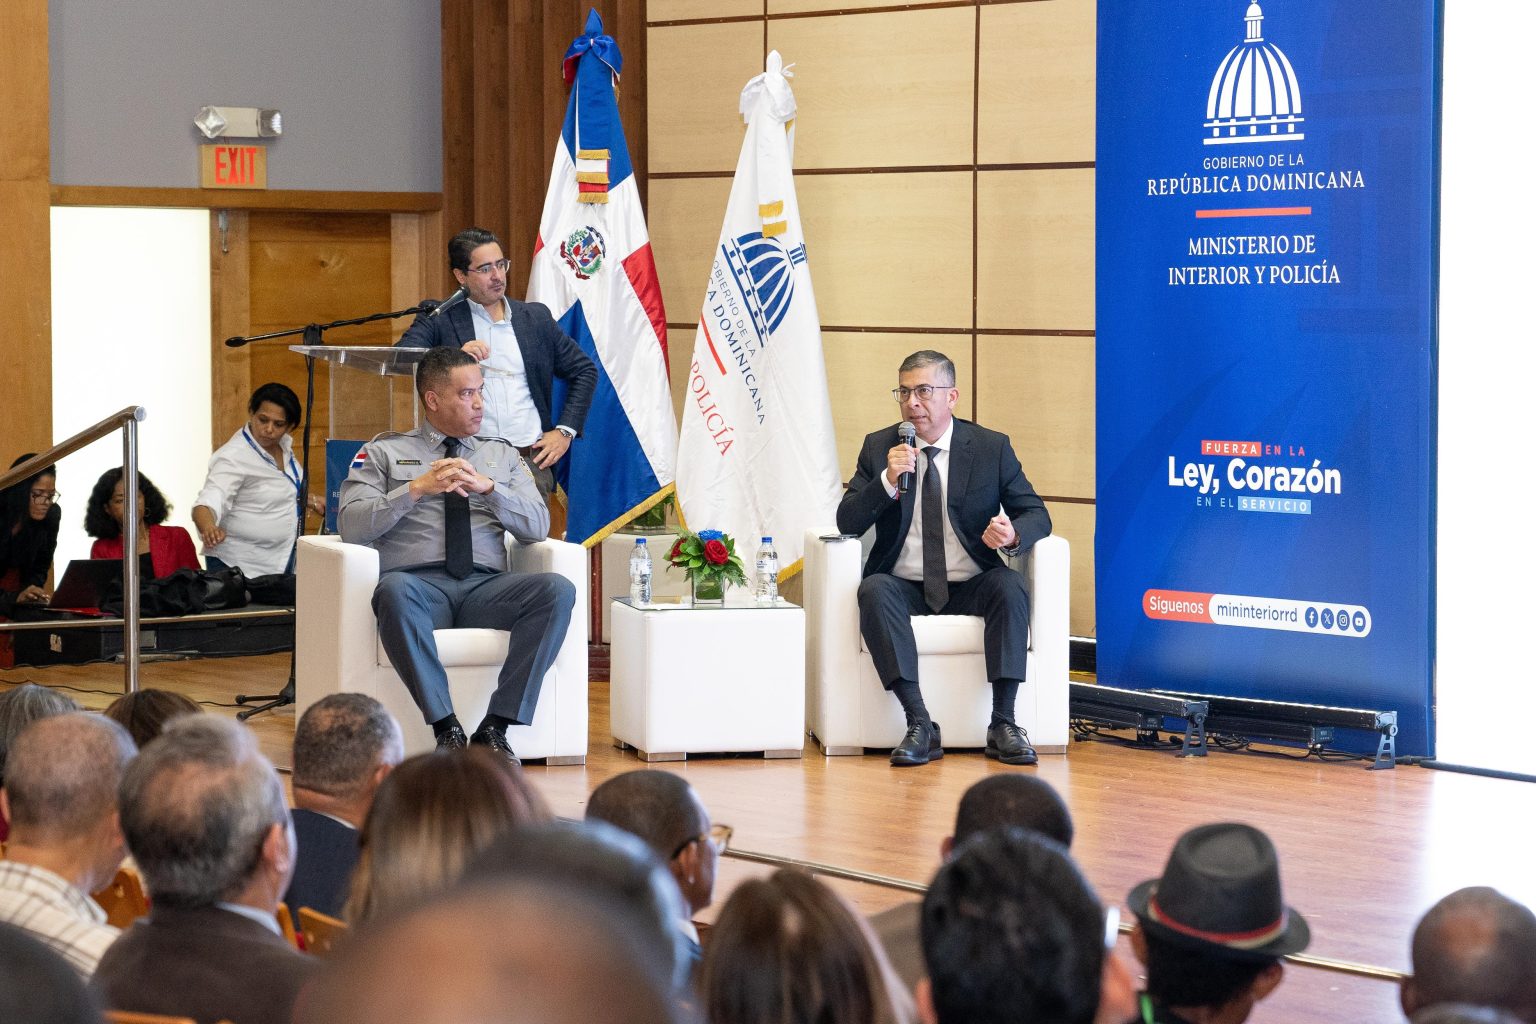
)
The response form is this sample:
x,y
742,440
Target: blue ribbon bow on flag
x,y
594,42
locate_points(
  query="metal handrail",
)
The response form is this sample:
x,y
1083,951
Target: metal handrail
x,y
887,882
127,420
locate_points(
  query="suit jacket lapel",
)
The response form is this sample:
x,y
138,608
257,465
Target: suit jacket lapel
x,y
960,459
463,320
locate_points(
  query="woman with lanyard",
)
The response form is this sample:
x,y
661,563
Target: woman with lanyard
x,y
248,510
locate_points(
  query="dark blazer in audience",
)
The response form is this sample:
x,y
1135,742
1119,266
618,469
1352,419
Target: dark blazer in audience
x,y
206,963
327,854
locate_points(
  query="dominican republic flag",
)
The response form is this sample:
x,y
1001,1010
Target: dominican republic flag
x,y
592,267
757,455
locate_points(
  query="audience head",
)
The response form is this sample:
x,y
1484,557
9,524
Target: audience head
x,y
204,816
602,859
508,952
31,500
1461,1013
430,817
1475,946
1011,932
1212,929
104,510
61,793
144,713
787,950
1012,800
662,809
344,746
37,986
21,707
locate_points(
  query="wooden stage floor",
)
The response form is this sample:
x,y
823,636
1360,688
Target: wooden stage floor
x,y
1363,853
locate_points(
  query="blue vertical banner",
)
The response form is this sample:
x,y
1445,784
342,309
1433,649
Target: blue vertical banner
x,y
1267,211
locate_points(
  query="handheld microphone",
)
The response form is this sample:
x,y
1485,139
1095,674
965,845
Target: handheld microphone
x,y
457,296
908,434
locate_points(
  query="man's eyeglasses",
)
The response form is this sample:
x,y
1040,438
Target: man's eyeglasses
x,y
45,497
718,836
486,268
923,391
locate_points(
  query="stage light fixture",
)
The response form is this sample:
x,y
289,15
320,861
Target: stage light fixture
x,y
1142,710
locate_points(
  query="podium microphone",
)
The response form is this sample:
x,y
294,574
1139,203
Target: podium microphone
x,y
456,297
908,434
236,342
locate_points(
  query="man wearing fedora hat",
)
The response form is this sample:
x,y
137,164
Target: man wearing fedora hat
x,y
1213,928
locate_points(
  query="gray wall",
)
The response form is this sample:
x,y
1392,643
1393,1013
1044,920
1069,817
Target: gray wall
x,y
358,82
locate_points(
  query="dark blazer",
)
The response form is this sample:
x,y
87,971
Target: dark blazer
x,y
547,354
323,871
983,475
208,964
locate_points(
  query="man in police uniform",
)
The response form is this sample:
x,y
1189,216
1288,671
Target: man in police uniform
x,y
435,503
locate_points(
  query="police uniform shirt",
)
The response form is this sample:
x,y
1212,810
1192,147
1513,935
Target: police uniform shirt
x,y
377,508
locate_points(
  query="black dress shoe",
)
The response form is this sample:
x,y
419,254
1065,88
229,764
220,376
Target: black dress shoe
x,y
1009,744
919,746
453,739
496,740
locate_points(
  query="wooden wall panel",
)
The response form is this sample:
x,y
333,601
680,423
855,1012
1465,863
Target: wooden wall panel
x,y
694,121
988,265
1035,250
1040,391
26,358
685,218
503,103
1036,96
801,6
1075,522
862,370
230,285
898,91
889,250
677,10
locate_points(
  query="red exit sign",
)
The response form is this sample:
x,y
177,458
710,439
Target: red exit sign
x,y
234,166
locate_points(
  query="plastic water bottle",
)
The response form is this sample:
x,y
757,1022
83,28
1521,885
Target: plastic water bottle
x,y
640,574
767,573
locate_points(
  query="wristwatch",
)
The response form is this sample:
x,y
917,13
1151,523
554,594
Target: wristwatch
x,y
567,431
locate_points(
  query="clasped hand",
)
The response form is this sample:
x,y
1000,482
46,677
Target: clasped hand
x,y
455,475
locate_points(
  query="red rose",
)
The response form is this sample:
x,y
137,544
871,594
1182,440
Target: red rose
x,y
677,546
715,553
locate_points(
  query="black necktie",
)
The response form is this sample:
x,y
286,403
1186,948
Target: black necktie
x,y
460,550
935,571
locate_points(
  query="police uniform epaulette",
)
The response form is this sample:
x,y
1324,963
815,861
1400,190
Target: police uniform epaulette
x,y
386,435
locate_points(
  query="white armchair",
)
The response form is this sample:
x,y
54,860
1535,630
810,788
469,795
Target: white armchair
x,y
848,710
338,649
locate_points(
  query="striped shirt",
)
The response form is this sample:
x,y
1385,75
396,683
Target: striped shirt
x,y
40,902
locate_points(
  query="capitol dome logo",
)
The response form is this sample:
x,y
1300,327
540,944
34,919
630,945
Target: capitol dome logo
x,y
766,270
1254,96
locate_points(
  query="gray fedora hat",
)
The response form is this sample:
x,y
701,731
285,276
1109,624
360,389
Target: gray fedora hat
x,y
1221,892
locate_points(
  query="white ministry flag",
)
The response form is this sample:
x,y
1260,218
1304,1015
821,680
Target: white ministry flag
x,y
757,456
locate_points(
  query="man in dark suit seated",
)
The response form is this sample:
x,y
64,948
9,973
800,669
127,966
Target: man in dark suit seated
x,y
936,550
205,820
343,747
521,351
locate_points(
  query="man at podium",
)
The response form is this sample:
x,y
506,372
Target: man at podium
x,y
521,351
436,503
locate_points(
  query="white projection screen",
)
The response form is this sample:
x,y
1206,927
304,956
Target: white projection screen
x,y
1485,689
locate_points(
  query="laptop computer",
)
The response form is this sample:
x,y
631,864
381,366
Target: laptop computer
x,y
84,582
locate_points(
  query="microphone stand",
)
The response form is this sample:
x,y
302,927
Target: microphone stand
x,y
313,334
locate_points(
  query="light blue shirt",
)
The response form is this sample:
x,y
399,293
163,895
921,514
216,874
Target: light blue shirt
x,y
509,408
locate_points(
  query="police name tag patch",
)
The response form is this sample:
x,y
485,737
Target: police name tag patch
x,y
407,462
